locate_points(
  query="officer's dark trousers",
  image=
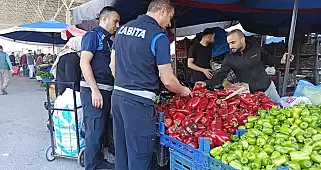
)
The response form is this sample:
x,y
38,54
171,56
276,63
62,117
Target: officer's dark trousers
x,y
134,133
95,121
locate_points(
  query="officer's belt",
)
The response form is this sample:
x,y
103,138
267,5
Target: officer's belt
x,y
100,86
141,93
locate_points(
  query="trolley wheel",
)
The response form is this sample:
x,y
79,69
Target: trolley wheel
x,y
49,154
81,156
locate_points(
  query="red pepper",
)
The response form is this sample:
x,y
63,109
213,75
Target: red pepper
x,y
246,99
186,122
217,124
243,105
268,105
232,130
242,119
221,103
211,112
194,102
203,104
219,137
168,123
179,104
231,121
191,128
232,109
172,130
259,93
234,102
185,111
211,95
223,113
166,113
198,86
198,117
176,136
253,109
184,133
190,116
200,126
188,140
210,104
205,120
178,118
221,93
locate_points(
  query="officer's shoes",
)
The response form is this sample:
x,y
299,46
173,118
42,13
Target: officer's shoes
x,y
105,165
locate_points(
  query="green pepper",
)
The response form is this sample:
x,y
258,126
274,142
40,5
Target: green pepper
x,y
250,134
278,141
275,154
246,168
271,140
280,135
218,157
249,125
274,113
306,119
315,157
256,164
312,130
285,130
281,117
268,149
315,165
289,121
224,158
304,125
314,118
314,168
238,154
276,128
293,165
242,127
296,111
266,161
308,141
316,137
230,157
251,157
258,127
262,113
251,119
307,134
235,164
299,156
287,144
299,137
262,155
307,149
256,131
227,146
289,149
267,125
292,139
280,149
251,141
244,160
245,144
235,138
253,149
315,114
216,151
278,161
274,121
296,131
270,167
260,141
313,124
306,164
305,112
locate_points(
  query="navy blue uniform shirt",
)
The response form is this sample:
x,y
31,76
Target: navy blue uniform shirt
x,y
98,42
138,53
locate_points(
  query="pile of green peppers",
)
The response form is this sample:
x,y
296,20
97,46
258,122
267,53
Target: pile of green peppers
x,y
280,137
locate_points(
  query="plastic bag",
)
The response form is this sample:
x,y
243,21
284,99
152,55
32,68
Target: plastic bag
x,y
15,70
291,101
236,86
313,93
299,89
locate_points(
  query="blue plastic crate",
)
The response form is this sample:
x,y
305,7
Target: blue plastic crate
x,y
179,161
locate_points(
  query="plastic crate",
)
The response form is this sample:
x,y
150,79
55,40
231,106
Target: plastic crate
x,y
180,162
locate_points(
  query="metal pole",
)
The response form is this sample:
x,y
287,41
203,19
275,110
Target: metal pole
x,y
175,62
290,46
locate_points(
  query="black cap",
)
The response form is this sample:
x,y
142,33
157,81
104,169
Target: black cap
x,y
208,31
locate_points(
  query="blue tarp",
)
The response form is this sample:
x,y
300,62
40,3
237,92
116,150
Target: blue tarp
x,y
40,32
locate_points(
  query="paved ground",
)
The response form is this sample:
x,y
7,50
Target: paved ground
x,y
24,136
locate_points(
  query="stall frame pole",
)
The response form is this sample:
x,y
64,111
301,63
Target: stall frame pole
x,y
290,46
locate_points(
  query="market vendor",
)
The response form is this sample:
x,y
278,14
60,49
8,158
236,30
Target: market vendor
x,y
247,60
96,86
141,53
200,55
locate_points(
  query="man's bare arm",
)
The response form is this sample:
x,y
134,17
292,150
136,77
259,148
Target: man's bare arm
x,y
85,59
191,65
112,62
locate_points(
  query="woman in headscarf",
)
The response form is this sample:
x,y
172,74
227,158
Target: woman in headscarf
x,y
66,66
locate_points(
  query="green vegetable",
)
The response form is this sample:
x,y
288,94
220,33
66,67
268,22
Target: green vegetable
x,y
305,112
316,137
276,128
260,141
216,151
316,157
231,156
306,119
307,149
244,160
296,111
299,156
245,144
285,130
293,165
312,130
304,125
270,167
289,121
249,125
278,161
266,162
251,119
242,127
306,164
281,117
235,164
235,138
280,149
256,164
268,149
251,141
308,141
246,168
224,158
267,125
262,155
238,154
251,157
296,131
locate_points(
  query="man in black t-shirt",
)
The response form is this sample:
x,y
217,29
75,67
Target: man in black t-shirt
x,y
200,55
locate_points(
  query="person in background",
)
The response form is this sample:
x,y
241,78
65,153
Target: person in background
x,y
66,68
139,60
39,62
31,64
247,60
12,59
23,64
200,55
96,86
5,71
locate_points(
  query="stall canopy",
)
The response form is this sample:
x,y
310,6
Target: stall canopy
x,y
268,17
39,32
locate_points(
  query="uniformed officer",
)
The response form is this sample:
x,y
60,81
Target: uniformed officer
x,y
141,51
97,85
